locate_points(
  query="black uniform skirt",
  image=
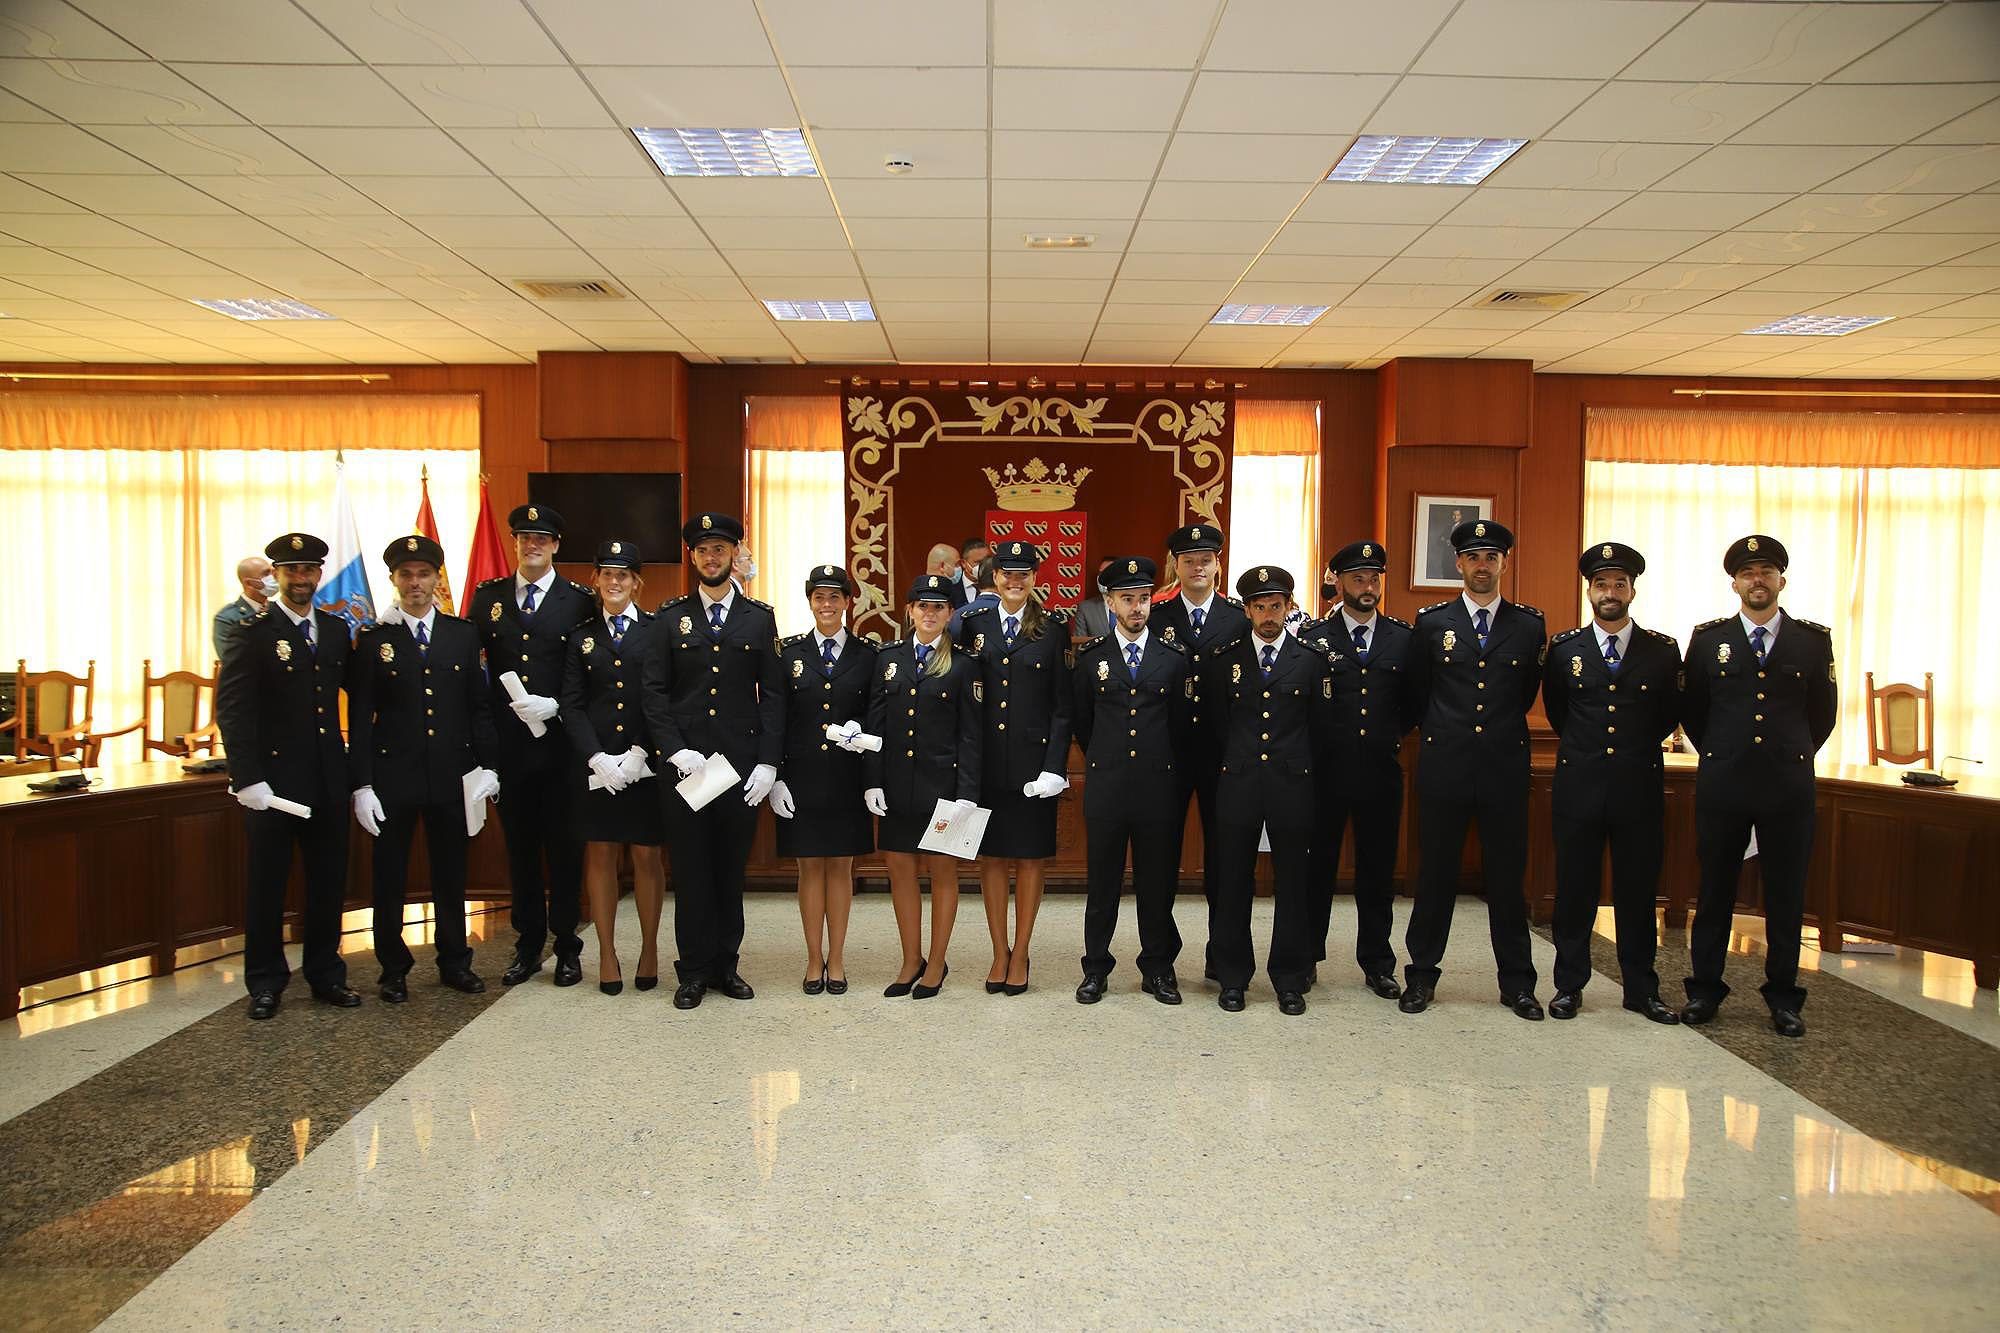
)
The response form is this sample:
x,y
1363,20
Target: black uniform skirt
x,y
902,830
816,829
1022,827
632,815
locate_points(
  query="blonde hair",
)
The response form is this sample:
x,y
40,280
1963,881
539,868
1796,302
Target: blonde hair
x,y
940,658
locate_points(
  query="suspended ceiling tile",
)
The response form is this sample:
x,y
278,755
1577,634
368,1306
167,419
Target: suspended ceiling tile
x,y
1074,155
875,97
457,96
643,32
437,32
1087,99
233,30
1478,107
1312,35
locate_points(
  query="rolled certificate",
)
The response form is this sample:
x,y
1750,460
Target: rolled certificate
x,y
517,692
290,807
859,739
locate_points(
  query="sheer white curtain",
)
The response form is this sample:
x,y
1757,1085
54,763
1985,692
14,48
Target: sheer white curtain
x,y
1274,494
796,516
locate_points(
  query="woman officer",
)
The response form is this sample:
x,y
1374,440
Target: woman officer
x,y
923,706
607,732
817,799
1021,650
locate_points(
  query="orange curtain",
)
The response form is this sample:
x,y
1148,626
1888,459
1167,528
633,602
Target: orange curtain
x,y
793,424
170,421
1267,427
1789,439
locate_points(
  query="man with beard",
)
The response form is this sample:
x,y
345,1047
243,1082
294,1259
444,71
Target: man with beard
x,y
1761,700
713,685
1612,693
1360,775
1475,669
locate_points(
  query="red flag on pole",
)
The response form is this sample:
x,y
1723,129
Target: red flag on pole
x,y
427,525
489,553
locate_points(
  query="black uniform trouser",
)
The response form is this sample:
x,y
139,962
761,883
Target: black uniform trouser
x,y
1154,839
1245,807
1377,814
1202,788
1499,804
708,849
323,842
535,815
444,846
1783,817
1635,834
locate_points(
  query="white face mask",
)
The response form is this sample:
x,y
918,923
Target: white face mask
x,y
268,586
748,570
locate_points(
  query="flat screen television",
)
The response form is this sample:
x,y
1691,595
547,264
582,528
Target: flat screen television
x,y
644,507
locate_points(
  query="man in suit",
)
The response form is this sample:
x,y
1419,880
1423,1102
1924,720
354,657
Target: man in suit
x,y
524,620
712,686
1132,716
983,595
1611,690
420,740
1475,669
1266,691
1199,618
1360,773
1761,700
1093,613
278,704
254,575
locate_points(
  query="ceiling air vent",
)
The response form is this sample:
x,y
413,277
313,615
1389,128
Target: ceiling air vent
x,y
1508,298
570,289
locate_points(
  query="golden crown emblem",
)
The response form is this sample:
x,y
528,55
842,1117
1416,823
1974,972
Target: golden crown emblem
x,y
933,583
1131,566
1035,488
298,543
1263,575
706,522
411,543
1367,551
1751,545
1606,551
1479,529
533,512
617,549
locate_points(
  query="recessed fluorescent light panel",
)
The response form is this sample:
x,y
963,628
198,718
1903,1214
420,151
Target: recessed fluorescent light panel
x,y
1820,326
1422,159
259,308
1268,314
837,311
728,152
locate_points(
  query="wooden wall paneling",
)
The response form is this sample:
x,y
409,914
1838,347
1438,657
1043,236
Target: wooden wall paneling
x,y
1438,400
613,396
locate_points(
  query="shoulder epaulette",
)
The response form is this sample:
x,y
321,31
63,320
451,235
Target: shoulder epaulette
x,y
1662,636
754,602
893,643
1226,599
1061,615
1811,624
1078,647
797,638
265,610
676,601
1393,621
583,588
1706,625
971,611
1434,606
1174,644
1534,611
490,583
370,627
1567,635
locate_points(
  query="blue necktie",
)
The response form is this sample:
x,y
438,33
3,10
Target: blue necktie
x,y
1013,627
715,620
1361,642
1757,643
1479,626
528,600
1194,620
1269,659
826,656
617,630
423,641
1611,659
1132,661
923,655
306,629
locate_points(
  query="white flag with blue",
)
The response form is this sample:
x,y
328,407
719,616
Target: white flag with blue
x,y
345,592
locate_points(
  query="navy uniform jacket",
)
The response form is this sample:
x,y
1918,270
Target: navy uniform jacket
x,y
1135,738
929,727
1757,727
533,646
278,705
716,695
1471,707
1027,705
1609,728
1225,620
417,725
1269,727
813,763
1366,723
601,693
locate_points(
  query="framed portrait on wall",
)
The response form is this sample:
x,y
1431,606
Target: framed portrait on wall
x,y
1433,562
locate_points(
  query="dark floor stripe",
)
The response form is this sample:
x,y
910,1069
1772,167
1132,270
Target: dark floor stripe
x,y
103,1187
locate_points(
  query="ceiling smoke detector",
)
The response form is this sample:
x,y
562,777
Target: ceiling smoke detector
x,y
898,166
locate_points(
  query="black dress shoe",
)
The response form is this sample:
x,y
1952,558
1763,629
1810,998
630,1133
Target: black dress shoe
x,y
816,985
897,989
1166,988
1230,1000
569,971
1697,1012
394,990
340,997
1415,1000
611,987
467,982
646,983
521,969
1291,1002
1565,1004
733,986
1655,1008
1383,984
836,985
1091,989
264,1004
1785,1022
689,994
919,991
1524,1005
1022,989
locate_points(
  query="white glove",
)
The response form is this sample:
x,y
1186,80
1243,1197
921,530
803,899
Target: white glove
x,y
257,796
759,783
486,784
687,762
1047,785
610,772
535,708
634,762
876,800
781,801
368,811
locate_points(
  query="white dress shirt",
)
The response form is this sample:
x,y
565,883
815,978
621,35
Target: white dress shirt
x,y
1770,631
541,586
1623,638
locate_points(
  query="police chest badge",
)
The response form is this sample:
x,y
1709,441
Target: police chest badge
x,y
1103,670
890,674
1450,639
687,625
979,643
1168,634
284,650
588,644
1722,653
798,667
493,611
1576,666
1236,673
388,652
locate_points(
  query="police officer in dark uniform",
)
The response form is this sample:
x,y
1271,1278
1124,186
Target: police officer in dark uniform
x,y
1267,693
278,705
523,620
712,686
1198,619
1761,700
418,723
1611,690
1134,721
1475,669
1360,774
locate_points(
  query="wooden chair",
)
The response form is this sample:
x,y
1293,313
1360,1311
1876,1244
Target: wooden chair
x,y
52,713
186,712
1896,716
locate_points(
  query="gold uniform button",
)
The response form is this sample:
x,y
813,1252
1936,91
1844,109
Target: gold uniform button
x,y
1758,739
1614,689
1003,726
826,708
1482,685
430,712
1265,757
909,754
822,745
621,705
621,684
1003,703
432,731
1611,708
1760,717
1613,750
1479,708
711,712
1479,729
1264,736
1135,754
429,690
1611,731
1133,732
913,712
322,731
1364,689
1760,694
1760,675
1364,731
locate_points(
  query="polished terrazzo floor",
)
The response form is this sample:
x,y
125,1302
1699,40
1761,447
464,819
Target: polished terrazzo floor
x,y
549,1158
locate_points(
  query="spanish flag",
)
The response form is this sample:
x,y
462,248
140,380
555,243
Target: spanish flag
x,y
427,525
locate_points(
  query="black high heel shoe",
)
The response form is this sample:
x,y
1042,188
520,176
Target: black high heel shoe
x,y
926,992
896,989
646,983
814,985
1021,989
836,985
611,987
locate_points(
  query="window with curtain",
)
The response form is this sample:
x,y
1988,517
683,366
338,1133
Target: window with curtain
x,y
794,510
1888,518
129,513
1274,494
